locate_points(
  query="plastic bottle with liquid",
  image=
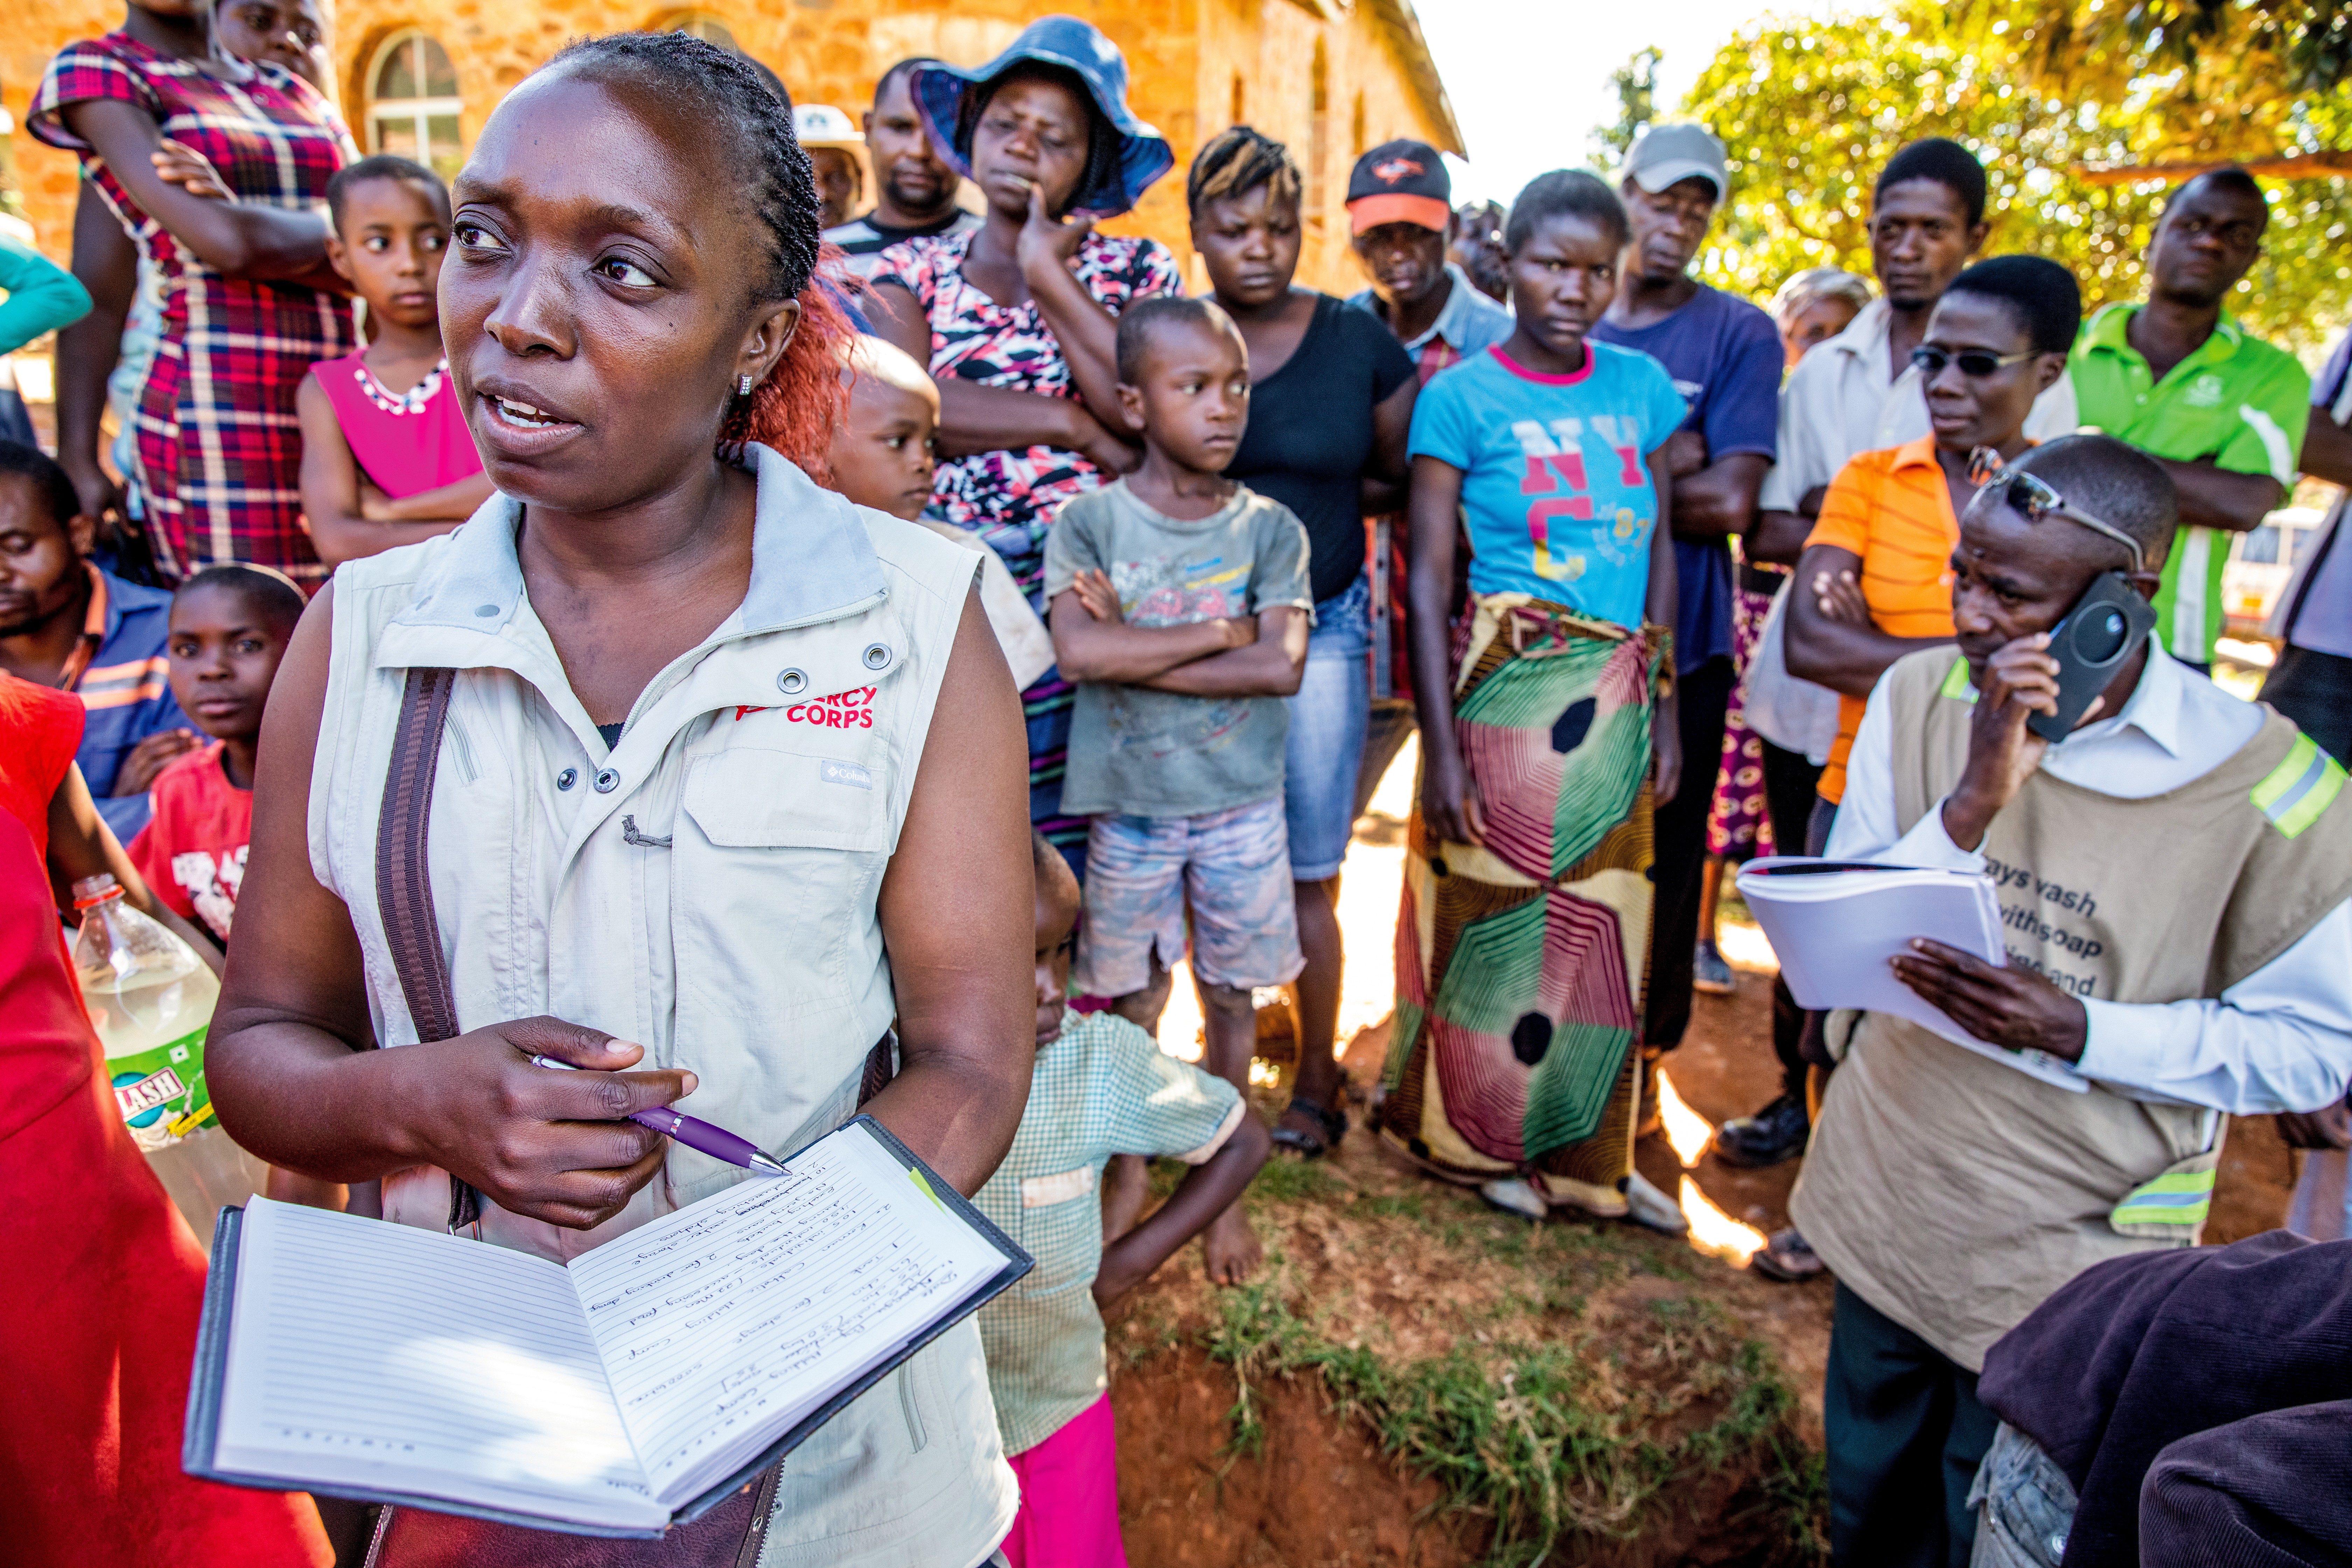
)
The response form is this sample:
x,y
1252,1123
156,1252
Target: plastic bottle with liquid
x,y
151,999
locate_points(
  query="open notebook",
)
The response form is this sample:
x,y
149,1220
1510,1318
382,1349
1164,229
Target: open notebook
x,y
634,1388
1834,924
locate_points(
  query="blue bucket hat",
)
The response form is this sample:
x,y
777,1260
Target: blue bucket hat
x,y
940,91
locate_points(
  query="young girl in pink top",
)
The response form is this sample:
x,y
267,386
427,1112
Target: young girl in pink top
x,y
386,458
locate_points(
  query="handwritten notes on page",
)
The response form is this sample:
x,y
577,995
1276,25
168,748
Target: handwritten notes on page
x,y
725,1324
397,1359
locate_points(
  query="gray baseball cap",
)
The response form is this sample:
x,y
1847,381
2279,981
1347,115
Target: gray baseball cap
x,y
1662,155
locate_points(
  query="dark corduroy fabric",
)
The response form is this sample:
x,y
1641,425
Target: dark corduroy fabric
x,y
2139,1353
2270,1492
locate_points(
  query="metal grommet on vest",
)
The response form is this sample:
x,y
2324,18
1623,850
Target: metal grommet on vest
x,y
607,782
792,682
567,778
877,656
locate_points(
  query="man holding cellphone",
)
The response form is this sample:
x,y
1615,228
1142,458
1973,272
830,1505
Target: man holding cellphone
x,y
1950,1194
1872,584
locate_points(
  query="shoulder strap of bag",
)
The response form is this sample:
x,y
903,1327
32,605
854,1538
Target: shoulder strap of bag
x,y
404,894
403,881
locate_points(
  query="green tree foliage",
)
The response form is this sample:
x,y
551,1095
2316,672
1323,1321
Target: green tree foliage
x,y
1636,82
1811,110
2247,54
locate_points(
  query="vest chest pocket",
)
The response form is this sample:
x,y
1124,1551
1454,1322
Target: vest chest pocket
x,y
826,797
779,854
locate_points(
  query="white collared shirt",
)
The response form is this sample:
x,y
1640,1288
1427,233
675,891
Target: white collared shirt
x,y
2280,1039
1845,397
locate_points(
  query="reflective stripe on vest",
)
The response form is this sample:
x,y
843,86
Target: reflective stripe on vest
x,y
2181,1199
2301,787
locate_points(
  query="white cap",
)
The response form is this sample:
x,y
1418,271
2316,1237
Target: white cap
x,y
823,125
1662,155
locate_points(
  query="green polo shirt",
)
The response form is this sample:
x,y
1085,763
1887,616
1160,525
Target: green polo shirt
x,y
2235,399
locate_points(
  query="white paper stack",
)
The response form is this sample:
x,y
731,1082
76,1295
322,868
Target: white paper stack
x,y
1836,924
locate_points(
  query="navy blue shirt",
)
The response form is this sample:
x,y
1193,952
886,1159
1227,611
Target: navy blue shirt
x,y
126,692
1725,357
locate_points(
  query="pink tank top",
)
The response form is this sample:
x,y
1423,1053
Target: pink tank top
x,y
406,442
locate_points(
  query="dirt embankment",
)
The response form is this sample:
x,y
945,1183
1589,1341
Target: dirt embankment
x,y
1419,1381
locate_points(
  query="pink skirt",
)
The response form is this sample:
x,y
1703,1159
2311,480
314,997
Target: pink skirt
x,y
1069,1497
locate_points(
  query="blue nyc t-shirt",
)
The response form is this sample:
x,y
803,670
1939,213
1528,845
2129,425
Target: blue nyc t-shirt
x,y
1555,481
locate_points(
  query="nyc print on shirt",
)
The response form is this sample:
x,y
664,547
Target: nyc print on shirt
x,y
1560,512
1555,485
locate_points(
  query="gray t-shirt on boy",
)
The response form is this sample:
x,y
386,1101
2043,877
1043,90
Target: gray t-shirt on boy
x,y
1140,753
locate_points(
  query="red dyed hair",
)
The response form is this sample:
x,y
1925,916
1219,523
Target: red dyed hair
x,y
794,411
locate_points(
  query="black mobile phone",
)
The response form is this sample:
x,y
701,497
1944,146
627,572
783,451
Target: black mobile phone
x,y
2106,627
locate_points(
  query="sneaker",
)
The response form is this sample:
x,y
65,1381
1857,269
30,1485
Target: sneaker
x,y
1514,1195
1710,975
1775,1134
1645,1205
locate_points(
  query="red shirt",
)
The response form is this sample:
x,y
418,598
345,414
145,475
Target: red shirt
x,y
108,1280
192,852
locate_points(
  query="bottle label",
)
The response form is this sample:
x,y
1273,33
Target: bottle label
x,y
162,1092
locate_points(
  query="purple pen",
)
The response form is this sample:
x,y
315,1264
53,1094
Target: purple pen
x,y
694,1133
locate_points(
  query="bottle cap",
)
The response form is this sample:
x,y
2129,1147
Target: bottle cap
x,y
92,890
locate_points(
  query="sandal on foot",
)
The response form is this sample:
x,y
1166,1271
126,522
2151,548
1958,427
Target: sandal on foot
x,y
1787,1259
1331,1126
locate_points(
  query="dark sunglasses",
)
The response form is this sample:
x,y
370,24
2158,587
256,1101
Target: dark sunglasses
x,y
2031,498
1975,363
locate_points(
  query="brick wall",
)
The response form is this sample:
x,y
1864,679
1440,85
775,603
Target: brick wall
x,y
1183,57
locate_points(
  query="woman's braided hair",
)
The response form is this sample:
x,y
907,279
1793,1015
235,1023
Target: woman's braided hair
x,y
794,410
1237,161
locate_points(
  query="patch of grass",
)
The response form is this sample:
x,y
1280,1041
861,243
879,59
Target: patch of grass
x,y
1284,1179
1558,1441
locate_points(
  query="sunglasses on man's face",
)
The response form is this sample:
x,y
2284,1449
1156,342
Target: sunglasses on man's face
x,y
2032,497
1975,363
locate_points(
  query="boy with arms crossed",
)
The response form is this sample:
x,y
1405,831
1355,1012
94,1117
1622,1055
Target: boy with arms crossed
x,y
1179,607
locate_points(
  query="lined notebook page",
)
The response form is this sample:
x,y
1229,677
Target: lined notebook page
x,y
725,1323
398,1359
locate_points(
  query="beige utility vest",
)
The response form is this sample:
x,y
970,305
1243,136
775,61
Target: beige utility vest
x,y
1955,1194
706,888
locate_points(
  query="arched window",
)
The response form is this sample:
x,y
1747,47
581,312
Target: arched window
x,y
413,104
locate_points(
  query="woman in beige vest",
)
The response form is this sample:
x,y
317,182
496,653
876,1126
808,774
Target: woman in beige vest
x,y
716,741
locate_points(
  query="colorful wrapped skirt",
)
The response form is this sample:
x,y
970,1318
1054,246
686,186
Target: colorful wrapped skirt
x,y
1521,961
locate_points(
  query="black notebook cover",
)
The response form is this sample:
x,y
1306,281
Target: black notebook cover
x,y
201,1437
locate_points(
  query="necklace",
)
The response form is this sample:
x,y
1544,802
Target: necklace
x,y
413,401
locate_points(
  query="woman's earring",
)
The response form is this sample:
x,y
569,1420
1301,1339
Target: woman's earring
x,y
743,386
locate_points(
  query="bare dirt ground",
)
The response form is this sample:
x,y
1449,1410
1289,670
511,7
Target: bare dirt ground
x,y
1419,1380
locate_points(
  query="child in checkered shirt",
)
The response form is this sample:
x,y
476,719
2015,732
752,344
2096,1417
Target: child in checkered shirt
x,y
1102,1087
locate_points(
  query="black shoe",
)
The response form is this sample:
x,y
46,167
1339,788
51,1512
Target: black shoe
x,y
1775,1134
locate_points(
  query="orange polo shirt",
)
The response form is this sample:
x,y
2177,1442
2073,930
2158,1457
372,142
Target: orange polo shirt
x,y
1892,509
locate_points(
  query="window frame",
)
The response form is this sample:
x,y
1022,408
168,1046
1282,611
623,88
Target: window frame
x,y
416,112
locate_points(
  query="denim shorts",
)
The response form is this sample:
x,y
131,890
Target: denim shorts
x,y
1229,868
1327,720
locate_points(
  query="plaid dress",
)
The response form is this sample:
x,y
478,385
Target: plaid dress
x,y
216,431
1009,497
1103,1088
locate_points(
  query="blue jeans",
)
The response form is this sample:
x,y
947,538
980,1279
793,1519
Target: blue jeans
x,y
1327,720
